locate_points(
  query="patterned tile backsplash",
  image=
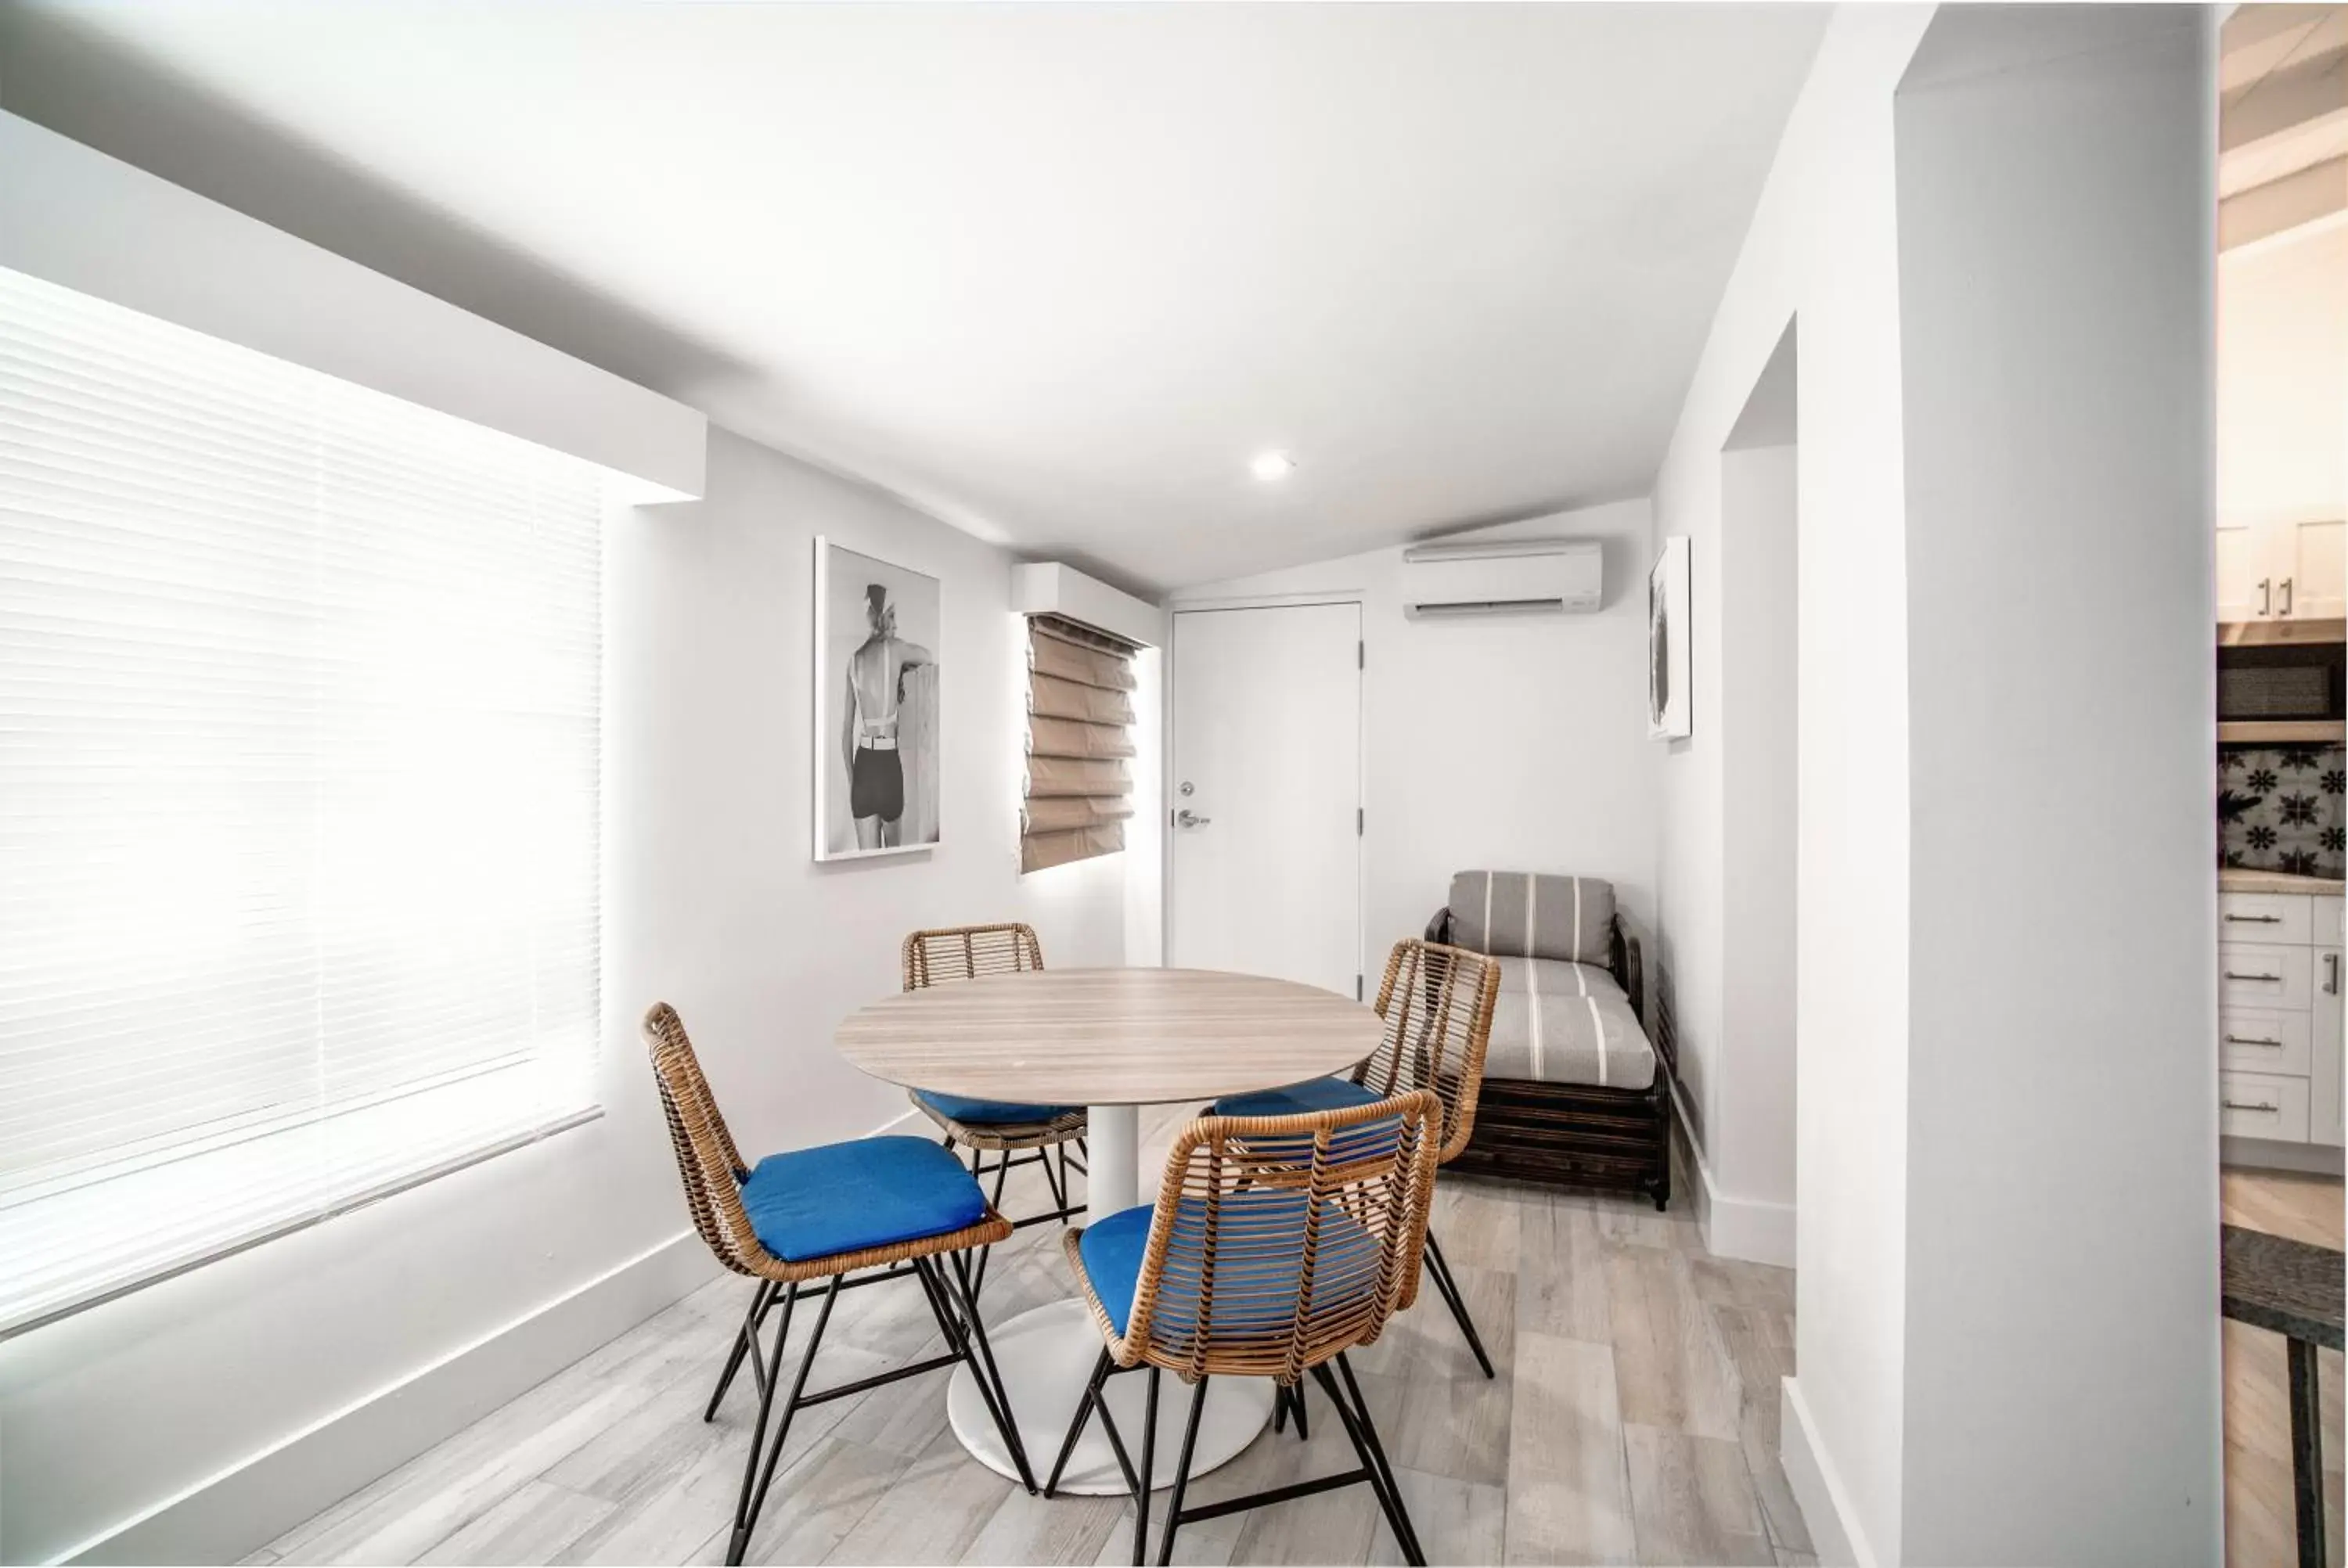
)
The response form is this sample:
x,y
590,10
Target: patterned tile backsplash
x,y
2284,808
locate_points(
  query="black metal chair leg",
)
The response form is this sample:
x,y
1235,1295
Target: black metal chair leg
x,y
1077,1422
747,1511
1149,1472
1441,1271
1059,1192
743,1343
957,1337
1280,1407
1373,1468
1181,1474
986,1355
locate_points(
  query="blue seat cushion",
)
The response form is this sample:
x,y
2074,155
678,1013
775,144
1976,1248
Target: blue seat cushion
x,y
1264,1225
1297,1099
871,1192
987,1112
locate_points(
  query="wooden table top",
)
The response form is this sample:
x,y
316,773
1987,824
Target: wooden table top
x,y
1108,1036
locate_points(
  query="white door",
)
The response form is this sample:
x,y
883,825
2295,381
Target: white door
x,y
1266,875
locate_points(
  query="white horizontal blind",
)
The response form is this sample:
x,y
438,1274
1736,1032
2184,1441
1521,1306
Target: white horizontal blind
x,y
299,753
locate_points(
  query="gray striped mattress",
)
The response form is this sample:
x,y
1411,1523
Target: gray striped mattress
x,y
1557,1022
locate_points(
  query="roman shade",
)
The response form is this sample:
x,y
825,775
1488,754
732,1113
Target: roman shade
x,y
1080,686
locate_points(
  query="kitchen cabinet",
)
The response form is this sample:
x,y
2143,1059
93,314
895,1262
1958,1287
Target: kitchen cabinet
x,y
2279,1019
2282,570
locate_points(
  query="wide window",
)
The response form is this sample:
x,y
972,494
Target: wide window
x,y
299,755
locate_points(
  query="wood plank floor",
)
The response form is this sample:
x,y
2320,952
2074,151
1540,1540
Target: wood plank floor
x,y
1634,1420
2258,1533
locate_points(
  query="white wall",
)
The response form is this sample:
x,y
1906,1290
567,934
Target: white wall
x,y
1910,1234
2282,378
2056,252
1747,1118
712,904
1515,742
1822,246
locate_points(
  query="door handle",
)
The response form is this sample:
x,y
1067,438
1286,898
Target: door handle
x,y
2266,596
2285,586
2331,974
1186,818
2253,919
2238,1105
2263,979
2245,1039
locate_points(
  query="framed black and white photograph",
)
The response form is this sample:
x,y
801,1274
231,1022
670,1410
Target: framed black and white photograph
x,y
877,630
1670,714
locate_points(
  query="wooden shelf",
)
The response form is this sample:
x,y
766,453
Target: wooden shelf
x,y
2283,732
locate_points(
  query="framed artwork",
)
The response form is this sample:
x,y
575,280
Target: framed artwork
x,y
877,630
1670,714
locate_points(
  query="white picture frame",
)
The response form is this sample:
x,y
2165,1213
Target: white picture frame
x,y
1670,711
879,748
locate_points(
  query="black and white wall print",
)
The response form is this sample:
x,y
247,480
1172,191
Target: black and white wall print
x,y
877,630
2284,808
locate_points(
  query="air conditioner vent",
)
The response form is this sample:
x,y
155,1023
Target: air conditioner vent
x,y
1502,577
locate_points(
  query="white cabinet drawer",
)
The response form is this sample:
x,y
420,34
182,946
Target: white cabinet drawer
x,y
2324,926
2258,975
2255,1040
2255,1105
2264,917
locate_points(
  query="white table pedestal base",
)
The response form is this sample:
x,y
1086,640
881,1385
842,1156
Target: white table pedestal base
x,y
1047,1357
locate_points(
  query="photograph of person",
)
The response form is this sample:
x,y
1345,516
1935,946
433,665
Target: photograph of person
x,y
877,633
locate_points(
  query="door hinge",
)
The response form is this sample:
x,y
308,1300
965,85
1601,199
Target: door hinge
x,y
1360,817
1357,987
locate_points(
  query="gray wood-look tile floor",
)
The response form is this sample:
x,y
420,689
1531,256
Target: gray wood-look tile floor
x,y
1633,1420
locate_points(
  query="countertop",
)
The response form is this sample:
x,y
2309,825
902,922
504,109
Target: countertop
x,y
2282,1285
2235,879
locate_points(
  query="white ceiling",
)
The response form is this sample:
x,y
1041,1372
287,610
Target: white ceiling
x,y
1055,272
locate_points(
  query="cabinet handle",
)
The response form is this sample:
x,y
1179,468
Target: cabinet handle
x,y
2238,1105
2331,974
2240,1040
2285,585
2263,979
2266,596
2256,919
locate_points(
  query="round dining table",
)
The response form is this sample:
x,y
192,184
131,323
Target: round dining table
x,y
1111,1041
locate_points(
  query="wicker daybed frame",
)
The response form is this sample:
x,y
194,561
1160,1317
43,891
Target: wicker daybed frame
x,y
1576,1135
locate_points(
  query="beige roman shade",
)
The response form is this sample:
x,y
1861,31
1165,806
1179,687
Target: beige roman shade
x,y
1079,742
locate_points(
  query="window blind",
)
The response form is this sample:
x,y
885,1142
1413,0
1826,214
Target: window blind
x,y
1079,735
300,697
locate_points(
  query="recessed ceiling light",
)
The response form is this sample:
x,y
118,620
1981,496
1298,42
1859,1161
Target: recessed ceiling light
x,y
1271,465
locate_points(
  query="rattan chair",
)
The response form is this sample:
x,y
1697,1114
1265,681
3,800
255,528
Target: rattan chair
x,y
1437,1003
1015,1134
781,1224
1276,1245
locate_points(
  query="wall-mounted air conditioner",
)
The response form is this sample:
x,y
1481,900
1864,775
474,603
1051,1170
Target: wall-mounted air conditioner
x,y
1502,577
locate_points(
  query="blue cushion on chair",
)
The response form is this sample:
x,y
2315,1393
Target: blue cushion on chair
x,y
1297,1099
871,1192
1264,1221
987,1112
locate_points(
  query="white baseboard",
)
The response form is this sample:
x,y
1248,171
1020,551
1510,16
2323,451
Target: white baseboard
x,y
1756,1230
1817,1489
258,1499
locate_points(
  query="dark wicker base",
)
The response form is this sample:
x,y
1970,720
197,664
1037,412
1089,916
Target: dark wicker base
x,y
1573,1135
